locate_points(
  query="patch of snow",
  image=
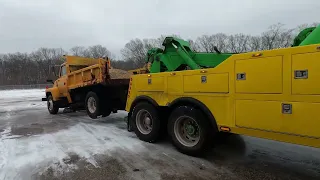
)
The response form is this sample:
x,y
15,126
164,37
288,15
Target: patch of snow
x,y
17,100
36,153
18,94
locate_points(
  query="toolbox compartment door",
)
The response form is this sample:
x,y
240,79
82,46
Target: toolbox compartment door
x,y
261,75
306,74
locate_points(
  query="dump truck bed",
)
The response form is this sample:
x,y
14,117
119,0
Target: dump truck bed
x,y
99,73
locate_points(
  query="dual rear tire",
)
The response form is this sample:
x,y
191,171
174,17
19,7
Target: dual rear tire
x,y
95,107
188,127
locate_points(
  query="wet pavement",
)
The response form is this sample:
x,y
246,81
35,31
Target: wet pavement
x,y
37,145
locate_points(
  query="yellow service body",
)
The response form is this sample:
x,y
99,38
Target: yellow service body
x,y
255,105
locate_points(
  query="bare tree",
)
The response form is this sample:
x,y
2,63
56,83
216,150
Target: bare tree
x,y
98,51
78,50
255,43
277,37
135,51
194,45
207,43
306,25
238,43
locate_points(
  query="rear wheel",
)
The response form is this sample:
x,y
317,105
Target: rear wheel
x,y
92,105
146,122
52,108
189,130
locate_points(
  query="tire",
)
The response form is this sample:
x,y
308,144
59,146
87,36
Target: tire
x,y
150,134
92,105
197,141
52,107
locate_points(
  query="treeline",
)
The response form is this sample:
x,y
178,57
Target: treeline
x,y
33,68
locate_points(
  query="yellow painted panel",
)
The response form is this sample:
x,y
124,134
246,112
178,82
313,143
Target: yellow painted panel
x,y
268,115
309,62
62,86
175,84
208,83
264,115
153,83
304,120
262,75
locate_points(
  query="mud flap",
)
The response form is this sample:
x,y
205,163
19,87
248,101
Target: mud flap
x,y
129,126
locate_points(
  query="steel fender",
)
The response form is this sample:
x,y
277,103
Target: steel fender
x,y
198,104
143,98
54,92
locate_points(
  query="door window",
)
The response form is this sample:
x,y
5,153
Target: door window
x,y
63,71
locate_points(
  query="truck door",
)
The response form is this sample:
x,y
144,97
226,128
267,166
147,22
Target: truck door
x,y
62,81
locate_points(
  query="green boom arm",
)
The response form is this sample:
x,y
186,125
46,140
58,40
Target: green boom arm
x,y
177,54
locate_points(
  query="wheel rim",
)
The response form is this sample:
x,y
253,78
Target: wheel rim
x,y
92,106
144,121
50,104
187,131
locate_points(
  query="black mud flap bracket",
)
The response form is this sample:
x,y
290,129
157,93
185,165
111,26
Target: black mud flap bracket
x,y
44,99
128,121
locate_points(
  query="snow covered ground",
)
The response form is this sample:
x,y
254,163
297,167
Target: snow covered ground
x,y
37,145
22,155
17,100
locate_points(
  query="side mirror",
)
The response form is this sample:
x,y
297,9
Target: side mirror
x,y
49,80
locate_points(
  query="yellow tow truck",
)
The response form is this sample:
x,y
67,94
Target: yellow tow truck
x,y
272,94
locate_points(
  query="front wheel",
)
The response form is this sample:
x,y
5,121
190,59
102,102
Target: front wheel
x,y
189,130
52,107
92,105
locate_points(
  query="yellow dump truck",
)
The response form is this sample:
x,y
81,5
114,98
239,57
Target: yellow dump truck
x,y
88,83
195,97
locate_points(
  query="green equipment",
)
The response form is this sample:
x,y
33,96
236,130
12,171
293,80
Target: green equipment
x,y
307,36
177,54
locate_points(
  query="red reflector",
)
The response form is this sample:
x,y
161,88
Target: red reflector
x,y
47,87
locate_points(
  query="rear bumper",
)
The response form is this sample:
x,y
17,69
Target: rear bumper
x,y
44,99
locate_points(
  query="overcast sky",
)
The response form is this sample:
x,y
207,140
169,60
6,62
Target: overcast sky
x,y
26,25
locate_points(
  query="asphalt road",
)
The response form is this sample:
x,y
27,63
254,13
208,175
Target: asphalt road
x,y
37,145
